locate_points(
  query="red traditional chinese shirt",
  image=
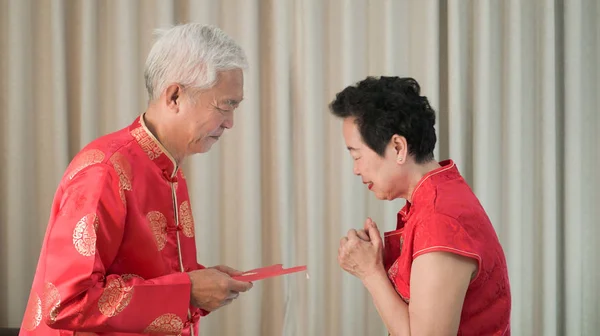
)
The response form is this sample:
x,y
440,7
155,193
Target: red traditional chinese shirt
x,y
445,215
119,241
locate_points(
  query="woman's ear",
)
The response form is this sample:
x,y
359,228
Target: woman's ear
x,y
401,147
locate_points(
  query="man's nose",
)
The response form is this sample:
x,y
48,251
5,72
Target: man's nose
x,y
228,122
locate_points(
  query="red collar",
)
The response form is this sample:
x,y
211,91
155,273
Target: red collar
x,y
155,151
428,182
447,170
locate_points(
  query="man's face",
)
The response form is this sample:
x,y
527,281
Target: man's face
x,y
204,115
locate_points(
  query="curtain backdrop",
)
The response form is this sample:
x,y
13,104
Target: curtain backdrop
x,y
515,85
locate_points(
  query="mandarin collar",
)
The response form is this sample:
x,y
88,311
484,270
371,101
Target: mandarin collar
x,y
155,151
428,182
447,170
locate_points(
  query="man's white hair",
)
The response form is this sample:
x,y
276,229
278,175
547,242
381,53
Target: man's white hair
x,y
190,55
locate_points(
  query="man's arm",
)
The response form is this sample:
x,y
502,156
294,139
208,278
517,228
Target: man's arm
x,y
83,242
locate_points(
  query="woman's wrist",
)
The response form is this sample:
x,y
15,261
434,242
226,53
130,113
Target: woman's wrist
x,y
375,277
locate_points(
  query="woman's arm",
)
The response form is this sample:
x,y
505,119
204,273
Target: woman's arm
x,y
391,308
439,282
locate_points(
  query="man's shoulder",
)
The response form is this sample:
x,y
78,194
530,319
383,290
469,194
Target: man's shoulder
x,y
106,149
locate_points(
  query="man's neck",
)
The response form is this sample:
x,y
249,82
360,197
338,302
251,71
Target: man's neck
x,y
153,123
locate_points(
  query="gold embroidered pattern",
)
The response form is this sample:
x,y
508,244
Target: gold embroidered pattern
x,y
167,323
158,225
50,302
85,159
149,146
123,169
115,298
187,221
33,313
182,175
84,235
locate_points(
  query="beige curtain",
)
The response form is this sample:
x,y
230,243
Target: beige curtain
x,y
516,87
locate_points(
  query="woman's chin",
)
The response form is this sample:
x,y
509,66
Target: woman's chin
x,y
383,196
379,196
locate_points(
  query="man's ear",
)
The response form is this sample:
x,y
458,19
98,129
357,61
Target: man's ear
x,y
172,97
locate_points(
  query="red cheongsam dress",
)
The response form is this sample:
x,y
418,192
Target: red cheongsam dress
x,y
445,215
119,241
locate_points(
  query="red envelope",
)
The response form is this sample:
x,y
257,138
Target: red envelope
x,y
267,272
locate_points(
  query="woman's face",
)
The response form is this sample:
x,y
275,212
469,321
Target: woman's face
x,y
382,175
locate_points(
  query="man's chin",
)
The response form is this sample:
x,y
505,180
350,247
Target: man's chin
x,y
204,146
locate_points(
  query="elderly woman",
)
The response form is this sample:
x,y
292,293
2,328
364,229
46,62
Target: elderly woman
x,y
443,270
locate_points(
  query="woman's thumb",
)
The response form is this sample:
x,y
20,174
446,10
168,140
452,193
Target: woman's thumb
x,y
373,230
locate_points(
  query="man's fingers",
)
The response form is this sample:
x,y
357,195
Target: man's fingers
x,y
230,271
233,296
226,302
239,286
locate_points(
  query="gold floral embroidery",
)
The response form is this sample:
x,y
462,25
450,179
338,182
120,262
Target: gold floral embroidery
x,y
158,225
84,235
182,175
116,296
187,221
149,146
167,323
33,313
50,302
123,169
85,159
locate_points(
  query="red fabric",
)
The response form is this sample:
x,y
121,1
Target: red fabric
x,y
445,215
119,226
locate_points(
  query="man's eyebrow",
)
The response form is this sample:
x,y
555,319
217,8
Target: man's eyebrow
x,y
351,148
231,102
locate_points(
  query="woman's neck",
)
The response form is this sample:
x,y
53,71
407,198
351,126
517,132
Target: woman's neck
x,y
416,175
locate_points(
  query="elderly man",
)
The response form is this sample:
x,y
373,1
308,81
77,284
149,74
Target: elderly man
x,y
119,254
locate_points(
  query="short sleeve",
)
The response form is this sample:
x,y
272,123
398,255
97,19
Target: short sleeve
x,y
442,233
